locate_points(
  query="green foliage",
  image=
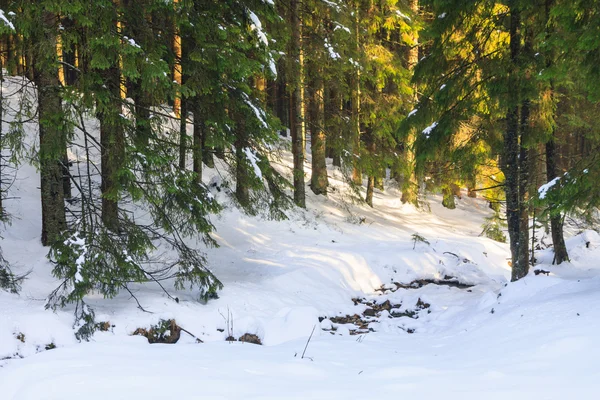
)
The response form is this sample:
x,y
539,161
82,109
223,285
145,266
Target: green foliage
x,y
493,228
418,239
8,281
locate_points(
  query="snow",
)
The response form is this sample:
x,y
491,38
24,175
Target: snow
x,y
413,112
332,53
543,190
6,21
132,42
532,339
427,131
254,161
260,114
257,26
402,15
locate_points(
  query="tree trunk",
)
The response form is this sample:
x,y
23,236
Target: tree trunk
x,y
178,75
370,189
297,103
52,135
472,186
523,250
556,222
198,153
510,161
448,198
182,132
334,126
319,181
410,185
356,103
112,140
242,190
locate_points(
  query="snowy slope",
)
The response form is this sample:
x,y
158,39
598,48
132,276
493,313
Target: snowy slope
x,y
532,339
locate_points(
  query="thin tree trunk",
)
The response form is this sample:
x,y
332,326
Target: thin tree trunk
x,y
182,132
198,140
356,104
556,222
472,186
242,190
410,185
371,148
336,131
296,103
523,250
319,181
370,189
178,73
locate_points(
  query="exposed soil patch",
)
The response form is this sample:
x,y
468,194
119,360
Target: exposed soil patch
x,y
250,338
419,283
373,313
166,331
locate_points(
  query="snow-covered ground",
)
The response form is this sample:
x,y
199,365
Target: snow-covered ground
x,y
534,339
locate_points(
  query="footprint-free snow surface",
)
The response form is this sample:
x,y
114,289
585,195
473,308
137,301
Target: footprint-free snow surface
x,y
390,317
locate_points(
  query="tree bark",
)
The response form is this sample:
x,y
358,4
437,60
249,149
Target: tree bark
x,y
182,132
112,140
370,189
319,181
297,126
242,190
510,158
448,198
198,153
523,250
410,185
52,134
356,104
556,222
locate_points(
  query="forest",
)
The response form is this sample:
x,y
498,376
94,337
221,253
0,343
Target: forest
x,y
122,105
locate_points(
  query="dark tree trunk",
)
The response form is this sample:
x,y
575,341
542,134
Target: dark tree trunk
x,y
52,135
296,104
370,189
510,159
523,251
319,181
183,132
556,222
410,186
242,190
198,140
356,105
137,26
112,140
